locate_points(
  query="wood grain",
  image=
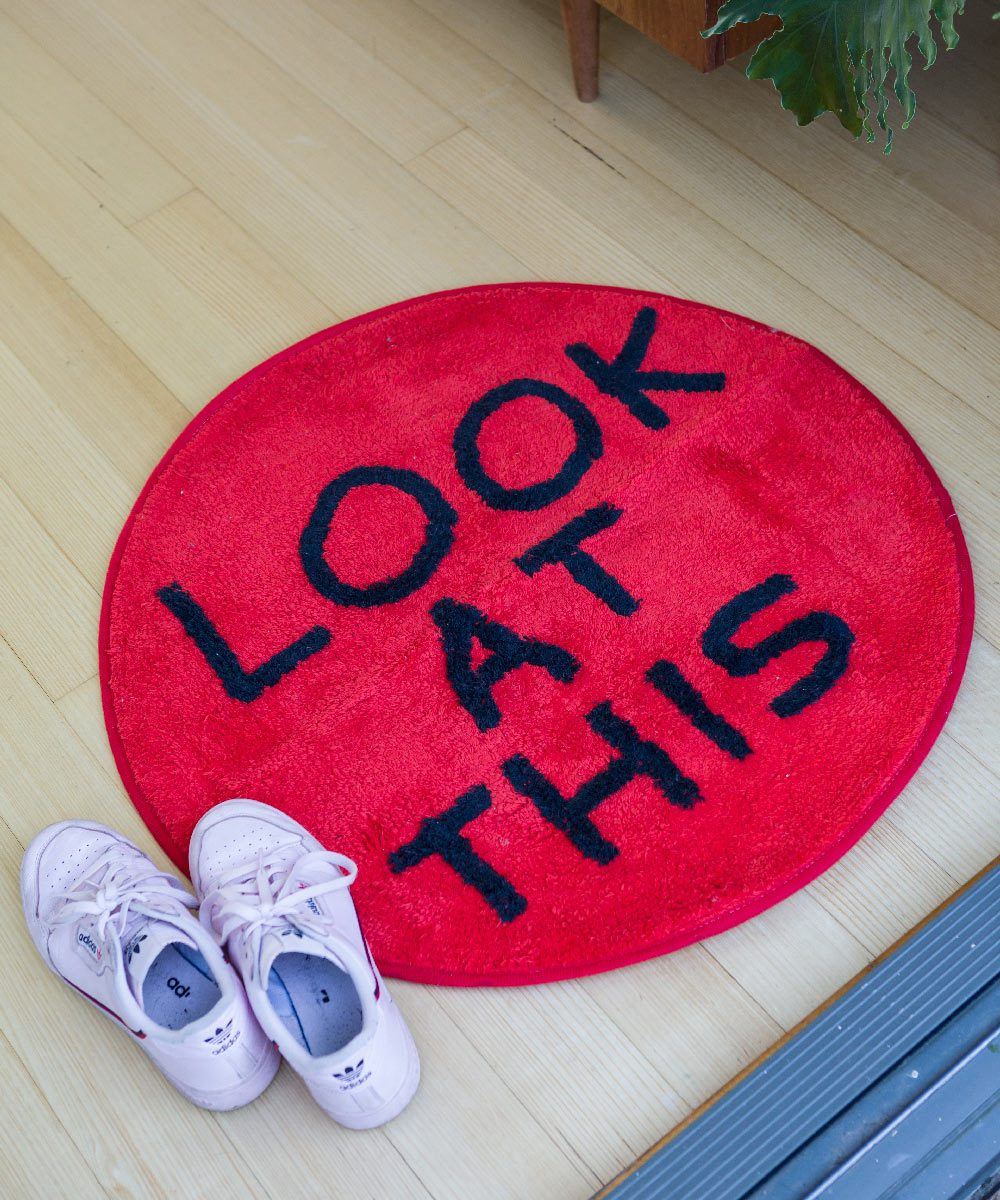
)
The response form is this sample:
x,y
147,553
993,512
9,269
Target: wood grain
x,y
191,184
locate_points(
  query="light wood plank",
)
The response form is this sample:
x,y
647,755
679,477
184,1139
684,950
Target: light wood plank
x,y
397,116
880,889
961,89
791,957
691,1018
100,150
82,711
493,1143
888,208
974,718
952,810
359,183
69,487
368,240
536,1038
88,372
233,275
48,611
451,70
38,1156
48,776
146,305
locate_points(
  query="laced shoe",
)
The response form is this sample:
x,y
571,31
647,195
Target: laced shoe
x,y
281,905
121,933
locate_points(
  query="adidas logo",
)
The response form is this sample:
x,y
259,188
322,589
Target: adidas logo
x,y
133,947
86,940
349,1072
311,902
223,1038
220,1034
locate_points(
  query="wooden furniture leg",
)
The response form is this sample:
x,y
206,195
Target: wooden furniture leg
x,y
581,19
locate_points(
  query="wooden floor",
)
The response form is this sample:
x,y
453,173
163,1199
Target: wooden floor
x,y
188,185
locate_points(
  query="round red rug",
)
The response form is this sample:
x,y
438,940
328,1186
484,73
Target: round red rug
x,y
588,621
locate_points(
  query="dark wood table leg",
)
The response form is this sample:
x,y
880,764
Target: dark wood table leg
x,y
581,18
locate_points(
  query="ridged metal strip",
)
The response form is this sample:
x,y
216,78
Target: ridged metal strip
x,y
779,1107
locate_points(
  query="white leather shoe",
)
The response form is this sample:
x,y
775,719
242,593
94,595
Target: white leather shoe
x,y
120,932
281,904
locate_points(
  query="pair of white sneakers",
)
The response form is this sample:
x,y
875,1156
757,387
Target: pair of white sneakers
x,y
277,966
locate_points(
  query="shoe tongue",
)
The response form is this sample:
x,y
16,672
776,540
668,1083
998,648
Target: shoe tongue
x,y
142,942
289,939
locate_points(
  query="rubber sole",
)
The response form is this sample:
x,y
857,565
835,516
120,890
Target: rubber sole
x,y
243,1093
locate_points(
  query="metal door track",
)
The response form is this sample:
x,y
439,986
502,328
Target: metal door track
x,y
892,1092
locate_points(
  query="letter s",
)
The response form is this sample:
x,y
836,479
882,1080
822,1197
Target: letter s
x,y
814,627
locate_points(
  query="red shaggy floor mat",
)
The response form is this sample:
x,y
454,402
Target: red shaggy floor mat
x,y
588,621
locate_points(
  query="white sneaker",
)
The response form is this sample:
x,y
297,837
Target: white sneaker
x,y
119,932
281,904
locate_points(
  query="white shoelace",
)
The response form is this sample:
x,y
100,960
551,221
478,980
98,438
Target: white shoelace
x,y
261,897
112,886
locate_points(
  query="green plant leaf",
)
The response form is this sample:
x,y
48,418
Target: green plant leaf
x,y
837,55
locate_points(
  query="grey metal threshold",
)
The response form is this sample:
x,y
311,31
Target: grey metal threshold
x,y
892,1092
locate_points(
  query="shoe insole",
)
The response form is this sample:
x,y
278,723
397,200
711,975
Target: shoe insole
x,y
179,987
316,1000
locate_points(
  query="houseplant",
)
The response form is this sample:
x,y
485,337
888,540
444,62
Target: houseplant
x,y
845,56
